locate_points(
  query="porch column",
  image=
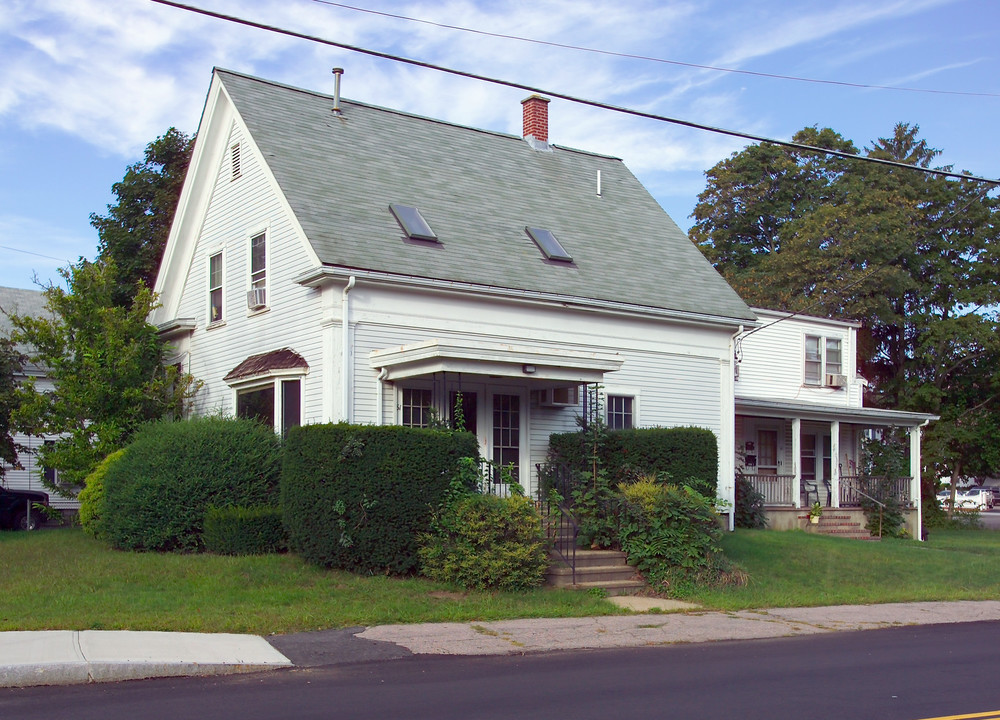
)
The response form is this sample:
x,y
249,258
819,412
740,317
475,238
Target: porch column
x,y
796,464
835,463
915,476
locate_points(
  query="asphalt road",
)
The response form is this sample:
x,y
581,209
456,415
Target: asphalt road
x,y
905,673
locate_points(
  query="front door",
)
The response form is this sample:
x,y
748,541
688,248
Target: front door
x,y
497,417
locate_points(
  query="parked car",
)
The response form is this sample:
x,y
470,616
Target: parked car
x,y
969,499
15,512
983,497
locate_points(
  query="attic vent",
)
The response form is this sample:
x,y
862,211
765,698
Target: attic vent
x,y
548,244
412,222
234,154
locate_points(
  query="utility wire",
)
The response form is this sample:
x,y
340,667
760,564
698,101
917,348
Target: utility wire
x,y
571,98
28,252
630,56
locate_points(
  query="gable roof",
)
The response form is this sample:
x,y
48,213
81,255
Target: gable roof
x,y
478,191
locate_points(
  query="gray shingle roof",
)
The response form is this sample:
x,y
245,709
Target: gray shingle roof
x,y
477,190
21,302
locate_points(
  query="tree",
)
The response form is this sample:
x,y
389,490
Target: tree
x,y
134,232
106,363
11,365
911,256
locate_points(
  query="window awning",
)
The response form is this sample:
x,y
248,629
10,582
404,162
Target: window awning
x,y
812,411
496,359
269,364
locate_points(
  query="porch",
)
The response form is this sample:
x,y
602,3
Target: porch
x,y
781,490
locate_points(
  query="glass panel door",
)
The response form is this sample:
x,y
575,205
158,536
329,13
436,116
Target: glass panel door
x,y
767,452
507,434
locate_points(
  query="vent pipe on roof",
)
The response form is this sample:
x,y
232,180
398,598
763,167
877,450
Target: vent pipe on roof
x,y
337,73
536,121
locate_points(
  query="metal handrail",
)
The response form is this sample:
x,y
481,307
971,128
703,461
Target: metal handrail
x,y
562,534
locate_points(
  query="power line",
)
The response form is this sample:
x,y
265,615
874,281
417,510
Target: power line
x,y
28,252
647,58
571,98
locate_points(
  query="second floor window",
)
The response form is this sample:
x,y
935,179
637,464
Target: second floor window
x,y
215,288
258,262
823,357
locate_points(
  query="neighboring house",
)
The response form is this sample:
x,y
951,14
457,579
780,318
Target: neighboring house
x,y
336,261
800,418
29,476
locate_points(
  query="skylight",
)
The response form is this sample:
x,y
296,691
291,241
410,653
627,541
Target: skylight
x,y
412,222
548,244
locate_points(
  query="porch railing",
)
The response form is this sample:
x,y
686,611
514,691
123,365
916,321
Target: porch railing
x,y
854,488
558,521
776,489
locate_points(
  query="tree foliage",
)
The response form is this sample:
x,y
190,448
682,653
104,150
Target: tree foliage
x,y
134,232
911,256
11,365
106,363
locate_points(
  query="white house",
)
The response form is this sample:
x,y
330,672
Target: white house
x,y
337,261
30,475
800,417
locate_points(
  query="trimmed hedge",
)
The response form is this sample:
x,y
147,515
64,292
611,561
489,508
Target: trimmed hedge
x,y
688,455
485,542
356,496
92,498
158,493
244,530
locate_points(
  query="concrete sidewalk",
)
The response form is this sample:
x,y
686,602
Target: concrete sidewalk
x,y
67,657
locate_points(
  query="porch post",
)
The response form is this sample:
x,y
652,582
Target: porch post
x,y
835,463
915,477
796,464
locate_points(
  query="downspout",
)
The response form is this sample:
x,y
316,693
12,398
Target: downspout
x,y
347,375
379,389
732,423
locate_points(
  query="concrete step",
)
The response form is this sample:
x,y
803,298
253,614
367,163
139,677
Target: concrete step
x,y
587,558
611,589
562,576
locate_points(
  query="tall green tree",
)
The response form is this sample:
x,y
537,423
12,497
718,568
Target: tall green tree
x,y
134,232
106,363
913,257
11,366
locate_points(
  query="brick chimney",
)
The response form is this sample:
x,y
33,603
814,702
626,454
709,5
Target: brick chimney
x,y
536,119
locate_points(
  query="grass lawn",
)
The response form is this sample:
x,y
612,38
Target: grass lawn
x,y
62,579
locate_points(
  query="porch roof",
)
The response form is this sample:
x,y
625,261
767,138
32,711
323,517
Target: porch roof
x,y
813,411
496,359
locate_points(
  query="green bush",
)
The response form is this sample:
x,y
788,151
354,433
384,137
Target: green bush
x,y
356,496
671,534
158,493
244,530
485,542
749,511
92,498
687,455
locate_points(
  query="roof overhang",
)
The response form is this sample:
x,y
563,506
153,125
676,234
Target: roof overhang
x,y
496,359
176,327
812,411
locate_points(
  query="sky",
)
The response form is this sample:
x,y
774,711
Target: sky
x,y
86,84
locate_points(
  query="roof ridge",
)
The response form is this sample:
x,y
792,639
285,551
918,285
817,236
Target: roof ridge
x,y
403,113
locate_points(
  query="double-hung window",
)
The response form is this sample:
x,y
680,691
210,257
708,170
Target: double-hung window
x,y
215,288
822,357
258,270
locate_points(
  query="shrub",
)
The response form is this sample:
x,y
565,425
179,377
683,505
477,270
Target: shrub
x,y
244,530
92,497
749,510
356,496
485,542
671,534
158,493
688,455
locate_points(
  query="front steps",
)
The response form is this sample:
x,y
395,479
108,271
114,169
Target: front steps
x,y
837,524
606,570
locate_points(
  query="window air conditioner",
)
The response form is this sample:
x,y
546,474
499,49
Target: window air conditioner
x,y
257,298
836,380
559,397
